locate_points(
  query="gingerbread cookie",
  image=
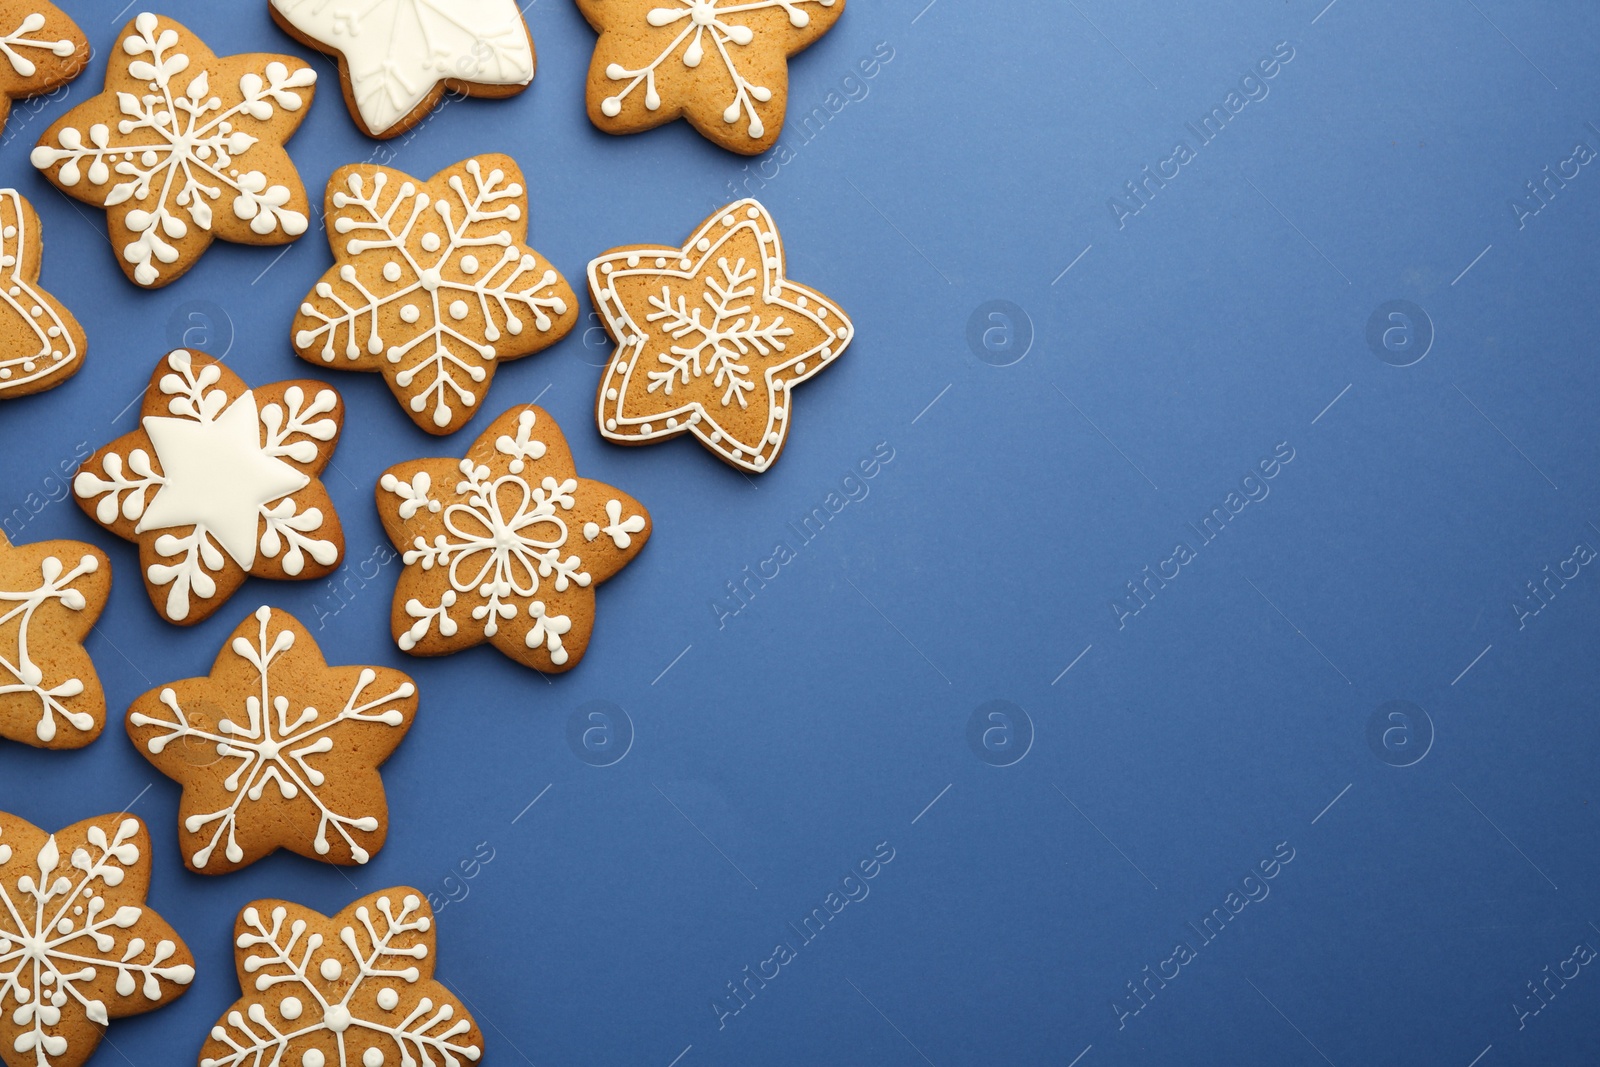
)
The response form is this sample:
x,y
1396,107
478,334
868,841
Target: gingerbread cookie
x,y
183,147
276,749
398,57
711,337
432,285
721,64
219,482
41,344
51,593
506,545
356,988
78,945
43,50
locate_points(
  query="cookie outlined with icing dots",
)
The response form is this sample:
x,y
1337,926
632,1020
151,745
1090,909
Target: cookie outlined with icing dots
x,y
505,546
218,483
711,337
433,285
276,749
721,64
398,57
356,988
51,594
41,49
41,344
184,147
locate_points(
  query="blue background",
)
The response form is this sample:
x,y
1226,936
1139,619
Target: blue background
x,y
773,752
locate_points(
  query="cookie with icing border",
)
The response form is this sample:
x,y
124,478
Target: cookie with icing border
x,y
51,593
184,147
41,344
433,285
398,57
276,749
721,64
353,989
78,944
41,49
505,546
219,482
712,337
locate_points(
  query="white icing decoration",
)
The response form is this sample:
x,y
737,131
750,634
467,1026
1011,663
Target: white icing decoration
x,y
18,38
374,948
52,349
705,20
435,288
20,674
398,50
741,340
277,745
619,529
52,964
219,467
197,156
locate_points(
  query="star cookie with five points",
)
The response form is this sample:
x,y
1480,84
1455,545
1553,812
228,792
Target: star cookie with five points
x,y
276,749
433,285
505,546
721,64
711,339
184,147
51,593
41,49
398,57
219,482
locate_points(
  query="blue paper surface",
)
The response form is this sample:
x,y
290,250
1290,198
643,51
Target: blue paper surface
x,y
1071,378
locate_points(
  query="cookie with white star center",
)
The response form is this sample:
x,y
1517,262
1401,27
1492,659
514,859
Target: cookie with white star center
x,y
505,546
41,49
712,337
218,483
721,64
276,749
398,57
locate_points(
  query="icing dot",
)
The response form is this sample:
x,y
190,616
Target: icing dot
x,y
801,301
728,220
36,311
822,312
291,1008
373,1057
716,436
313,1058
738,453
388,999
591,530
761,461
646,428
661,261
633,259
779,414
330,969
611,424
754,213
606,268
469,264
611,394
458,310
391,272
844,332
704,244
684,263
409,313
672,424
800,368
430,242
772,438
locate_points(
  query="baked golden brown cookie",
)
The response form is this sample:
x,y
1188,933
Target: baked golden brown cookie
x,y
506,545
276,749
219,482
398,57
357,988
41,344
41,49
433,285
183,147
711,338
78,945
51,593
721,64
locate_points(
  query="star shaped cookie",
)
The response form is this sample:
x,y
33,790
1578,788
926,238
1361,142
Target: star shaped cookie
x,y
51,593
184,147
41,49
433,285
721,64
78,945
219,482
276,749
711,338
41,344
357,988
398,57
506,545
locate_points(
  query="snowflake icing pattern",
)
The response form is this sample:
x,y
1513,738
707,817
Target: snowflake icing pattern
x,y
354,989
433,285
298,711
44,50
162,145
67,599
76,941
